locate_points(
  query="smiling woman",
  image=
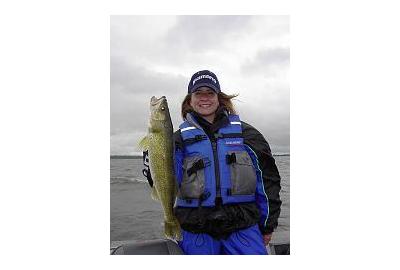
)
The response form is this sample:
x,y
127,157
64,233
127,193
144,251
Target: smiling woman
x,y
228,182
204,101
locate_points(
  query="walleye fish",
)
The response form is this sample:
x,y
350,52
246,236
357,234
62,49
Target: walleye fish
x,y
159,143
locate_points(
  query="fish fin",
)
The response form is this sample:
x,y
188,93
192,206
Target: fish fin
x,y
144,143
154,194
175,191
172,229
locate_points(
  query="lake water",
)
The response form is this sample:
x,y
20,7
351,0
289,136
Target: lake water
x,y
135,216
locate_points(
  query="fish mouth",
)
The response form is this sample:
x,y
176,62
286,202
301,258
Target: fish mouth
x,y
155,101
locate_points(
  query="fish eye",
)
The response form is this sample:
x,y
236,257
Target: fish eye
x,y
163,108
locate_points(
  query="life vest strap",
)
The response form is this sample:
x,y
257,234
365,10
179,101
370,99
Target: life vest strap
x,y
204,196
230,135
196,139
198,165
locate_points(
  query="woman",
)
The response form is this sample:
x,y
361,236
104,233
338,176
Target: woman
x,y
228,200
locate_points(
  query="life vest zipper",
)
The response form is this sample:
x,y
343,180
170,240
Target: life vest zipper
x,y
216,166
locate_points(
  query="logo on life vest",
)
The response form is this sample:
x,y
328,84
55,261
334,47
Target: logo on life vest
x,y
234,142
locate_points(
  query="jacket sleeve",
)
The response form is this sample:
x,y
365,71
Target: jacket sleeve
x,y
270,175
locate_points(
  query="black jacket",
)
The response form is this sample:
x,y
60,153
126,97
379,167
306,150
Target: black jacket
x,y
222,220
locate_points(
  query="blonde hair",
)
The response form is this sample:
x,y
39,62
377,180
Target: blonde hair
x,y
224,100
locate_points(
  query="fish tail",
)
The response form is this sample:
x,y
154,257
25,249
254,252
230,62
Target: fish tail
x,y
172,229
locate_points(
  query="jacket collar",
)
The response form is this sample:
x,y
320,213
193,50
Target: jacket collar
x,y
221,120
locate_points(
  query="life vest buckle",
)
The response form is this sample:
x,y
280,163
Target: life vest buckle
x,y
231,158
198,165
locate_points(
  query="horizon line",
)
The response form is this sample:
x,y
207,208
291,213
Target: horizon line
x,y
140,156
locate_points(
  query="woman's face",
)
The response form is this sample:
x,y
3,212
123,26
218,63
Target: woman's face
x,y
205,102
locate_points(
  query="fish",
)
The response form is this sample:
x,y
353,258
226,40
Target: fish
x,y
159,144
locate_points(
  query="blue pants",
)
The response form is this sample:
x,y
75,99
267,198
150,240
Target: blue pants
x,y
248,241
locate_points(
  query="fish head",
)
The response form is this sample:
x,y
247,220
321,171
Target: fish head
x,y
159,113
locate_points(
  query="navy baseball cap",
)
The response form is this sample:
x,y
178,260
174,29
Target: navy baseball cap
x,y
204,78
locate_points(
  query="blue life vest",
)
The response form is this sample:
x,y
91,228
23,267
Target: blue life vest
x,y
223,168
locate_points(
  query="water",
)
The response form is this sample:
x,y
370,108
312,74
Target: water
x,y
135,216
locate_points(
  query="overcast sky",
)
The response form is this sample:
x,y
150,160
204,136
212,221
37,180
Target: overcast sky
x,y
157,55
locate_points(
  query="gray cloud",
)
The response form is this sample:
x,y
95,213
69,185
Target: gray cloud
x,y
156,55
267,60
131,89
202,33
140,81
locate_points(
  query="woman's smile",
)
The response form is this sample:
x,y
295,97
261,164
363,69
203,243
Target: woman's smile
x,y
204,101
